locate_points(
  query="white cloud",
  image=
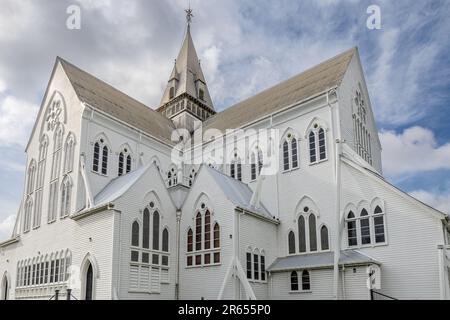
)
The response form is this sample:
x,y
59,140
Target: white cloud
x,y
6,227
413,151
2,86
16,120
440,201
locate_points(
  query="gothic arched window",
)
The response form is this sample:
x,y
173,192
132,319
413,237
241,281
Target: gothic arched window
x,y
352,236
69,152
165,240
66,196
324,241
100,157
365,227
135,234
155,230
306,282
312,148
301,234
146,229
312,233
378,222
124,166
317,144
207,244
291,242
294,281
198,232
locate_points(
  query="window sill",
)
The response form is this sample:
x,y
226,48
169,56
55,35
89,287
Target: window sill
x,y
257,281
290,170
366,246
204,266
300,291
318,162
142,291
100,174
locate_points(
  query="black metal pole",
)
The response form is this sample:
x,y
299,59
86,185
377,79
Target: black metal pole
x,y
56,294
371,294
69,294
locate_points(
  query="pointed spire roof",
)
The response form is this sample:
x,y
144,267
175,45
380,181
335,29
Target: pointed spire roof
x,y
187,71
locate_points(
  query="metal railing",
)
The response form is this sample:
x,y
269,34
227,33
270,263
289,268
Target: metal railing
x,y
375,295
68,296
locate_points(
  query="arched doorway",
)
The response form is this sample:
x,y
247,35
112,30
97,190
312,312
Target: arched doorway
x,y
89,283
4,288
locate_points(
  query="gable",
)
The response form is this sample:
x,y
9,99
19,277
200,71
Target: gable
x,y
105,98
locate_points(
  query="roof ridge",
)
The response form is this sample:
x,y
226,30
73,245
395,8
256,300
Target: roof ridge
x,y
284,82
102,81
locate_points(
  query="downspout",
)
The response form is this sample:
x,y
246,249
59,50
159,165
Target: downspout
x,y
338,153
177,284
343,283
120,255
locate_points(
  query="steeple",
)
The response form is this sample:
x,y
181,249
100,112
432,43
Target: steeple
x,y
186,90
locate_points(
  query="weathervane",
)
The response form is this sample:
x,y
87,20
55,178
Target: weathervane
x,y
189,15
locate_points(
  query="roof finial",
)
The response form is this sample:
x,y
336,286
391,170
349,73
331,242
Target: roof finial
x,y
189,15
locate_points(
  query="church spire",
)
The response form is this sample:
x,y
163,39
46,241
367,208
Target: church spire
x,y
186,89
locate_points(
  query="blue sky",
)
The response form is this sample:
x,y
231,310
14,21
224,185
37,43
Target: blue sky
x,y
245,47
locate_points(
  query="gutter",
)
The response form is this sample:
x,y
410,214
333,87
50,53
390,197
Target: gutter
x,y
9,242
257,215
91,211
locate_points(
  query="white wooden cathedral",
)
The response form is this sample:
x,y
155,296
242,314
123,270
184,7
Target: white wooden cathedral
x,y
121,203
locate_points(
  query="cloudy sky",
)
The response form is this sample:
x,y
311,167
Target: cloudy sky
x,y
245,46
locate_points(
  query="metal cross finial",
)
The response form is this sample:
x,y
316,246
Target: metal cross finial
x,y
189,15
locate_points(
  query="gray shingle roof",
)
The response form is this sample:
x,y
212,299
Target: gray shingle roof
x,y
315,80
320,260
237,192
111,101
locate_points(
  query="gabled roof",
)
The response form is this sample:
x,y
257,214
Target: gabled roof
x,y
238,193
320,260
118,186
187,71
324,76
105,98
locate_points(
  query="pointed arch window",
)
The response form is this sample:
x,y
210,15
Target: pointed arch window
x,y
317,144
294,281
190,240
301,234
257,162
236,168
206,249
216,235
31,177
69,152
207,231
249,264
291,242
100,157
156,220
324,240
124,165
290,152
378,221
54,182
43,147
306,283
146,229
312,233
27,217
312,148
198,232
135,234
352,236
165,240
365,227
66,196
